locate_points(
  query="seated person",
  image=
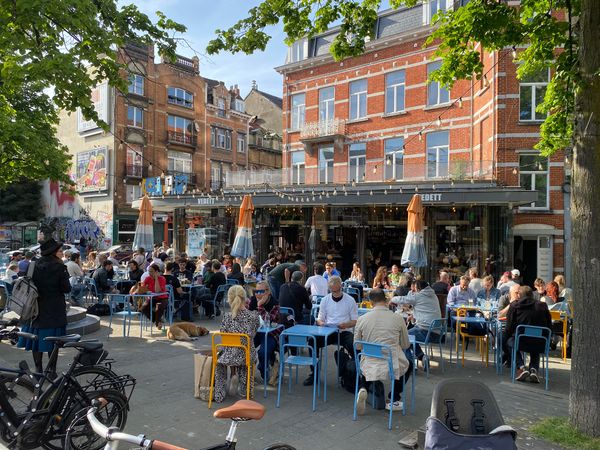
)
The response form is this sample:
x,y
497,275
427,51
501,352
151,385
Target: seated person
x,y
404,285
11,275
236,274
383,326
239,320
506,299
442,286
268,310
381,279
526,311
356,275
317,284
180,297
101,276
394,277
489,293
216,279
294,295
462,294
155,283
180,270
134,273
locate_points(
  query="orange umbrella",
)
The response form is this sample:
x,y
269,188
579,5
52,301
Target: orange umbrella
x,y
144,232
242,245
414,247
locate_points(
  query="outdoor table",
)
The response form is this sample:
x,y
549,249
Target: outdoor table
x,y
150,295
317,331
265,330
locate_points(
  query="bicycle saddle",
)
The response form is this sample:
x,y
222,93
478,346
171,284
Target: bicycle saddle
x,y
242,409
85,345
22,334
61,340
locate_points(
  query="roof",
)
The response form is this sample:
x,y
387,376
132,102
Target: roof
x,y
212,83
277,101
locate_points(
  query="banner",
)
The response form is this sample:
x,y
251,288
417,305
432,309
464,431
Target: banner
x,y
153,186
92,166
195,242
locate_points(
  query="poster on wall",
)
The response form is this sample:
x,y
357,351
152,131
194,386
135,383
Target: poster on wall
x,y
195,242
153,186
92,166
100,101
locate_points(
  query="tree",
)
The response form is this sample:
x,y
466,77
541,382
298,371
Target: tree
x,y
21,202
51,55
561,34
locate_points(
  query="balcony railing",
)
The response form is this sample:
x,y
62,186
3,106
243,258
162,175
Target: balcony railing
x,y
191,177
136,171
323,129
177,137
374,171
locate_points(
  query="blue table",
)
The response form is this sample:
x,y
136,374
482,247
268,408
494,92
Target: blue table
x,y
265,330
317,331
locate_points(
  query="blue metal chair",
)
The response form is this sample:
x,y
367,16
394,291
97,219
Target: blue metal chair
x,y
437,326
354,292
127,313
170,311
220,294
232,282
532,332
92,289
287,311
298,341
314,313
316,299
378,351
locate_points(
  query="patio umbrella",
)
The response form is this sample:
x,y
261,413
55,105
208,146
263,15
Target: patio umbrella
x,y
144,233
414,246
242,245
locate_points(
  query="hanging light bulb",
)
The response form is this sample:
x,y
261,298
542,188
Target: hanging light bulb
x,y
451,182
420,135
358,193
388,160
472,180
353,183
334,192
385,192
150,166
401,189
416,188
514,171
345,193
371,193
514,52
486,82
439,121
433,187
460,101
327,195
375,169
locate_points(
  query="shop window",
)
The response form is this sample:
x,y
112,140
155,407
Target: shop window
x,y
298,111
358,99
437,154
298,167
136,84
533,176
394,92
326,165
326,104
394,158
135,117
357,162
436,93
532,90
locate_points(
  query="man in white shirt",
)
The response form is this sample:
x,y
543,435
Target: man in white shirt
x,y
317,284
338,310
475,283
75,275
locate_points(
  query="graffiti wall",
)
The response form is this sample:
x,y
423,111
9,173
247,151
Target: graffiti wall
x,y
57,203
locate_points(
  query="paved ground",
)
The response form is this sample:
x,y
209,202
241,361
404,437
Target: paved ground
x,y
163,405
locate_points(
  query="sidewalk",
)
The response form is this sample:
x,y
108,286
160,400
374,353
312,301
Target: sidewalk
x,y
163,405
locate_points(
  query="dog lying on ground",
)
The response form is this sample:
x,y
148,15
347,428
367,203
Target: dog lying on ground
x,y
185,331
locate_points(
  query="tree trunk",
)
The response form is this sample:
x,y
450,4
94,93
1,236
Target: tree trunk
x,y
585,214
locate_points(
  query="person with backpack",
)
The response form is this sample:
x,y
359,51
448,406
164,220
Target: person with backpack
x,y
51,279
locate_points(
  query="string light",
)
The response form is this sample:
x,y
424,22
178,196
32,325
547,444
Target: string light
x,y
514,52
375,169
514,171
460,102
439,121
420,136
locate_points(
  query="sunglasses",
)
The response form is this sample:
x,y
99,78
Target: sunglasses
x,y
260,291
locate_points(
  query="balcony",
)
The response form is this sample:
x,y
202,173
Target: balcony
x,y
374,171
313,133
136,171
178,137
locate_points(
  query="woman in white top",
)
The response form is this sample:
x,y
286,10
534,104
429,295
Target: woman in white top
x,y
564,291
356,275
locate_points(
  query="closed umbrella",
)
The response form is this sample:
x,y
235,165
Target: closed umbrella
x,y
242,245
414,246
144,233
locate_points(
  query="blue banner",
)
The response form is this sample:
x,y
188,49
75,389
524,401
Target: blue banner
x,y
153,186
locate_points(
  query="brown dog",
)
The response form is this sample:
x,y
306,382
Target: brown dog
x,y
184,331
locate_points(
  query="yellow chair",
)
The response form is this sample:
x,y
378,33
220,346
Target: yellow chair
x,y
560,316
461,329
365,304
235,340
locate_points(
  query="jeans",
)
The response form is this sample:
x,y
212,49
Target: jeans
x,y
259,342
275,285
534,357
420,334
77,292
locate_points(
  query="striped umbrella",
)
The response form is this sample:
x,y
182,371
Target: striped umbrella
x,y
414,247
144,233
242,245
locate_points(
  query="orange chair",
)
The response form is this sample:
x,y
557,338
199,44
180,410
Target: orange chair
x,y
482,340
235,340
560,316
365,304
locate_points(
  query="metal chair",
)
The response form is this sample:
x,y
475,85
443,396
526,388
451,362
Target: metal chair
x,y
127,313
560,316
438,327
314,313
298,341
235,340
353,292
287,311
316,299
232,282
536,333
221,293
462,332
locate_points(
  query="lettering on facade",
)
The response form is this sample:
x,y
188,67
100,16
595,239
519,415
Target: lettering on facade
x,y
206,201
431,197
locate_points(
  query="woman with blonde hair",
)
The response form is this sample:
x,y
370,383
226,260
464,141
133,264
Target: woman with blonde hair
x,y
239,320
356,275
564,291
381,279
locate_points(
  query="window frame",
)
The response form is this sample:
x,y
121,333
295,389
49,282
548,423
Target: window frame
x,y
534,174
241,142
394,88
326,164
180,100
298,112
174,157
326,105
438,149
134,83
532,86
358,100
356,170
435,86
134,122
392,153
298,168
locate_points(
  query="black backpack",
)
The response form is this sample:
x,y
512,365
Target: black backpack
x,y
99,309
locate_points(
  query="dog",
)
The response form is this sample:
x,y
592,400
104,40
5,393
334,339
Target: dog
x,y
185,331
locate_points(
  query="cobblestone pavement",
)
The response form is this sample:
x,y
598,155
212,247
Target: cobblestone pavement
x,y
163,405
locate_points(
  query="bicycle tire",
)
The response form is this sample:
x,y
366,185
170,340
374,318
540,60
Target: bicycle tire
x,y
89,377
21,390
279,446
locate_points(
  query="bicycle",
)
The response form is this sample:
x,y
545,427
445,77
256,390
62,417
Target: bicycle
x,y
241,411
51,411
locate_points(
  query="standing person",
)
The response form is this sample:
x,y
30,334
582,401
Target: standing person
x,y
317,284
239,320
382,326
216,279
282,274
51,278
155,283
294,295
83,247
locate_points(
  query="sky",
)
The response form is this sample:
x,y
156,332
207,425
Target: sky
x,y
202,18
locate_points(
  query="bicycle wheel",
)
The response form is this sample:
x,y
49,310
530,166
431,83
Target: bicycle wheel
x,y
94,378
20,391
81,435
279,446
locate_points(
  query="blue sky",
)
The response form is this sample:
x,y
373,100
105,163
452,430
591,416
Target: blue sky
x,y
202,18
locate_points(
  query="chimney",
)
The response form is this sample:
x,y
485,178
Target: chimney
x,y
196,64
254,85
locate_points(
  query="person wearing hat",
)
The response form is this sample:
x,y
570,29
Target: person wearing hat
x,y
51,278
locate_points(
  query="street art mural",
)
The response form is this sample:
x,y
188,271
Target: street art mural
x,y
57,203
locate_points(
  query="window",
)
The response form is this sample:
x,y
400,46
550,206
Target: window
x,y
180,130
179,162
394,158
132,193
437,154
221,106
298,111
136,84
241,143
394,92
531,94
220,138
135,117
436,94
227,140
296,51
298,166
326,104
358,99
181,97
357,161
436,6
325,165
215,175
533,176
134,160
239,105
213,136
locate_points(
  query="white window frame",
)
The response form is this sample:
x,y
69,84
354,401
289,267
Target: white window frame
x,y
132,193
179,162
326,104
134,159
179,97
326,164
395,108
220,138
136,84
532,87
213,136
436,87
298,168
136,110
439,150
358,99
241,143
227,140
357,164
298,115
298,51
431,7
533,175
392,155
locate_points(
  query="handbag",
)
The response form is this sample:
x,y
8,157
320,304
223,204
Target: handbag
x,y
202,374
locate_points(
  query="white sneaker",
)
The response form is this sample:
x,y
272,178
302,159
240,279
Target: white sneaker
x,y
234,384
396,406
361,401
